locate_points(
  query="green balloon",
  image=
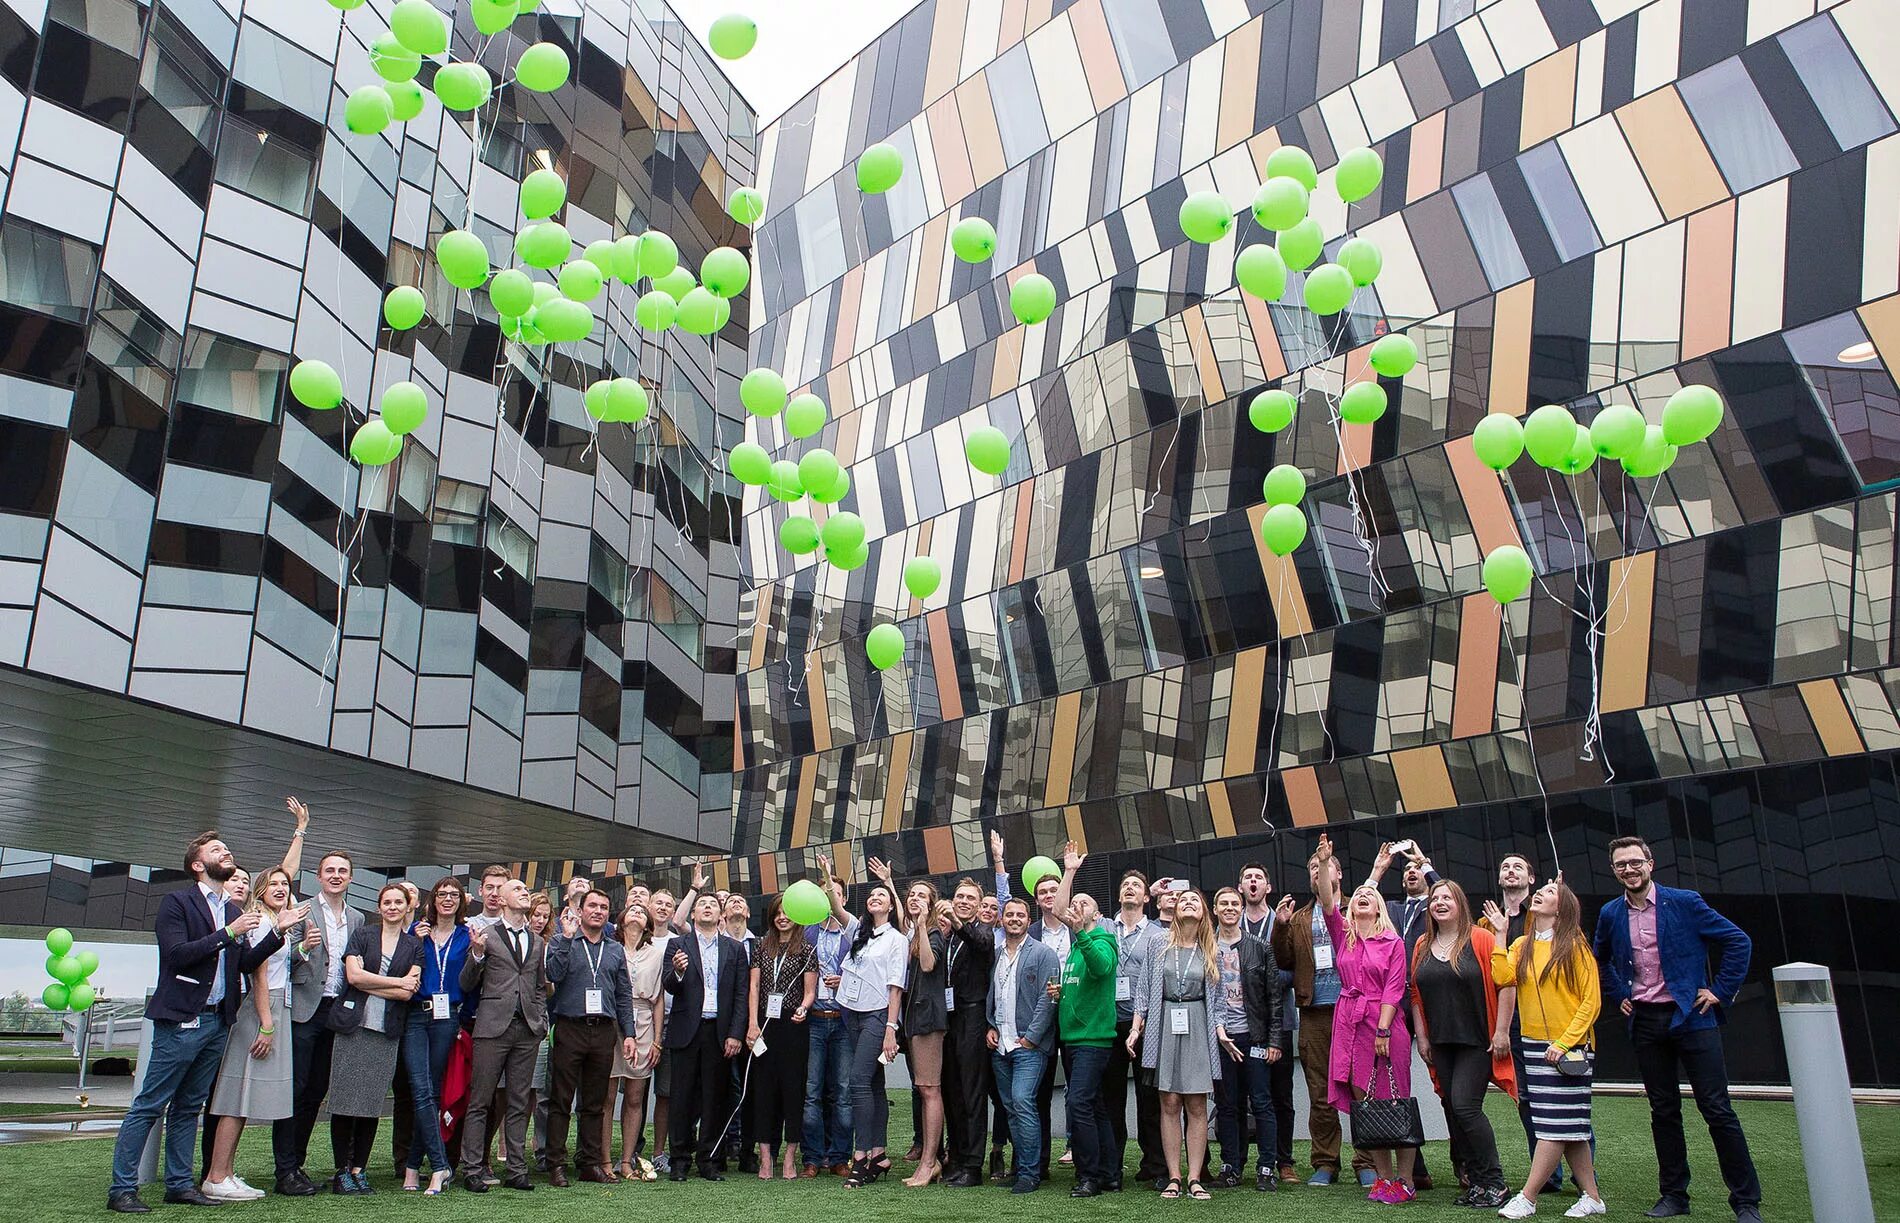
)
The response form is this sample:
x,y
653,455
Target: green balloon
x,y
1358,174
59,941
1691,414
374,445
80,997
1361,257
563,320
1617,431
1548,433
1032,299
732,37
405,99
722,313
581,281
1205,217
973,239
1362,404
836,493
884,646
545,245
493,16
1653,456
805,415
404,307
879,168
659,258
1260,271
511,293
542,68
600,253
1581,457
922,576
404,407
987,449
749,464
420,26
1300,246
818,469
368,110
88,962
346,5
463,87
848,561
676,284
543,193
724,272
1393,356
1498,440
762,392
627,401
1037,869
806,904
392,61
745,205
594,398
842,532
314,384
783,481
798,535
522,329
625,259
1280,204
1283,529
1328,287
1285,485
1292,161
655,311
54,996
1508,572
699,312
1271,411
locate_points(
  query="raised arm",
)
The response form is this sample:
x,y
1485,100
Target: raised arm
x,y
293,857
881,871
1072,859
683,914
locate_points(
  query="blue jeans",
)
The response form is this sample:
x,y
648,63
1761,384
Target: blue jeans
x,y
426,1044
179,1073
1245,1087
827,1129
1018,1074
870,1107
1091,1132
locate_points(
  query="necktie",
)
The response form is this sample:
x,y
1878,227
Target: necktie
x,y
519,939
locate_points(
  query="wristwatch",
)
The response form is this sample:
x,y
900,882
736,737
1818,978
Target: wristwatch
x,y
890,1025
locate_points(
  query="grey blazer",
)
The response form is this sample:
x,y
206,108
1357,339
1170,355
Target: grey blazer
x,y
307,975
1036,966
499,985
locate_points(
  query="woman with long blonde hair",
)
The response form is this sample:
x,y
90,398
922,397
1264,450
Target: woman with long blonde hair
x,y
1181,1050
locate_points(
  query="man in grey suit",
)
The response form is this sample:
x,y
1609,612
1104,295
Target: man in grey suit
x,y
1022,1024
316,981
506,973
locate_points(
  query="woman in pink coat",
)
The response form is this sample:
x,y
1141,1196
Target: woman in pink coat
x,y
1372,1050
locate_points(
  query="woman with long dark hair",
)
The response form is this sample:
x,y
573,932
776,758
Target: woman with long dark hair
x,y
435,1015
871,991
784,983
646,961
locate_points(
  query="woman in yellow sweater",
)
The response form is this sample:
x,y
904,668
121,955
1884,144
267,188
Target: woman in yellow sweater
x,y
1557,1003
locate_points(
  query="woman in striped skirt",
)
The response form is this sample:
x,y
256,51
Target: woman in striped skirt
x,y
1557,1004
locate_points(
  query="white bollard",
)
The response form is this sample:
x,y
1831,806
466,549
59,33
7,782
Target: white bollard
x,y
1823,1098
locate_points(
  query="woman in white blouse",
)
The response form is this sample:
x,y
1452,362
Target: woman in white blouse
x,y
871,991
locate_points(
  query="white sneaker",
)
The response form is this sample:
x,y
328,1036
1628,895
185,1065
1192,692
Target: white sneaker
x,y
1585,1207
1519,1207
246,1185
229,1191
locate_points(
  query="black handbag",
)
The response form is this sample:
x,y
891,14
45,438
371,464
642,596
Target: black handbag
x,y
1379,1125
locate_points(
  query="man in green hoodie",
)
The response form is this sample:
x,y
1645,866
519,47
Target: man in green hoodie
x,y
1086,995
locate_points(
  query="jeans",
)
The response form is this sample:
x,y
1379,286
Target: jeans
x,y
1463,1073
428,1042
870,1108
1245,1087
1018,1074
179,1073
1091,1136
827,1131
1663,1055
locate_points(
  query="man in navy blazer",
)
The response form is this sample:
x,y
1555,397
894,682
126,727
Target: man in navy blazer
x,y
707,975
1654,944
204,953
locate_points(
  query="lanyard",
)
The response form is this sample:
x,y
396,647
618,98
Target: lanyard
x,y
441,951
593,961
1266,924
950,958
778,974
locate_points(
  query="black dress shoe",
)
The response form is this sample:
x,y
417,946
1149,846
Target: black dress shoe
x,y
1748,1214
295,1185
678,1173
127,1202
1085,1189
518,1182
189,1197
474,1184
963,1178
711,1174
749,1162
1667,1208
557,1176
1025,1184
1114,1186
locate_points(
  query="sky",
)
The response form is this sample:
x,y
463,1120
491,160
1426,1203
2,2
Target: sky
x,y
801,42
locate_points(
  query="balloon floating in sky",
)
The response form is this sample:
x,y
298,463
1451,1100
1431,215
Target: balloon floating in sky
x,y
659,257
544,245
404,307
745,205
368,110
1361,257
987,448
1691,414
1285,485
842,532
374,445
493,16
676,284
724,272
420,26
885,646
733,36
1280,203
973,239
805,903
1260,271
1393,356
1292,161
543,68
1652,456
749,464
804,415
405,99
655,311
1358,174
1301,245
1548,433
1581,455
699,312
1362,404
404,407
1617,431
783,481
392,61
762,392
543,193
1032,299
798,535
922,574
1283,529
314,384
1037,869
879,168
1205,217
581,281
1271,411
1498,440
1508,572
463,87
1328,288
818,468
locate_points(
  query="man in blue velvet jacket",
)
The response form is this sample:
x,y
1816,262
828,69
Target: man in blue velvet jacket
x,y
1654,944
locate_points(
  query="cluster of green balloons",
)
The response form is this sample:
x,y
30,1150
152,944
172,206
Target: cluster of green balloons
x,y
1282,205
816,474
1554,439
70,989
417,31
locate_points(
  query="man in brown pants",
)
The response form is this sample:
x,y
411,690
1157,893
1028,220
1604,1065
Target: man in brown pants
x,y
1300,939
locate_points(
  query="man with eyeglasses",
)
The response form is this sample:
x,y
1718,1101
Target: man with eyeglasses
x,y
1655,944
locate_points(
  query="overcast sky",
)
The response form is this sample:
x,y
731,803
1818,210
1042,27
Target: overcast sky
x,y
801,42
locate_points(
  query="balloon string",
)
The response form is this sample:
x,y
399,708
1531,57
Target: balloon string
x,y
1509,635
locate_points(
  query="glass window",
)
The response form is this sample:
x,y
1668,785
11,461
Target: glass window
x,y
1490,231
820,240
1555,193
46,271
1141,39
273,64
227,375
458,512
1834,79
1735,122
513,545
267,167
1018,110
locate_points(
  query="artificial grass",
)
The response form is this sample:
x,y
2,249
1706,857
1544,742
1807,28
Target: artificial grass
x,y
67,1181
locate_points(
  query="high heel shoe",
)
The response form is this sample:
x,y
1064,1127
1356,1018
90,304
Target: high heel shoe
x,y
936,1174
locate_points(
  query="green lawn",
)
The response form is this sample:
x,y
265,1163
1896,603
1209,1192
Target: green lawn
x,y
68,1181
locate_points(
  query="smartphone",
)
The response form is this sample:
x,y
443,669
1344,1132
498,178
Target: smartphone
x,y
1179,885
1402,848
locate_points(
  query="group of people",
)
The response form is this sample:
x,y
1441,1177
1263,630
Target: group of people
x,y
770,1048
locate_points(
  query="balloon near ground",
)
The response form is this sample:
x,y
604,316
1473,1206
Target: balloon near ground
x,y
749,463
462,258
973,239
922,575
1328,289
1260,271
884,646
1358,174
1032,299
1285,485
1691,414
1393,356
804,415
745,205
403,407
1548,433
987,449
54,996
1037,869
80,997
806,903
1271,411
1280,204
1498,440
762,392
1508,572
543,193
1283,529
733,36
1205,217
543,68
1292,161
879,168
1617,431
404,307
314,384
1362,404
798,535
